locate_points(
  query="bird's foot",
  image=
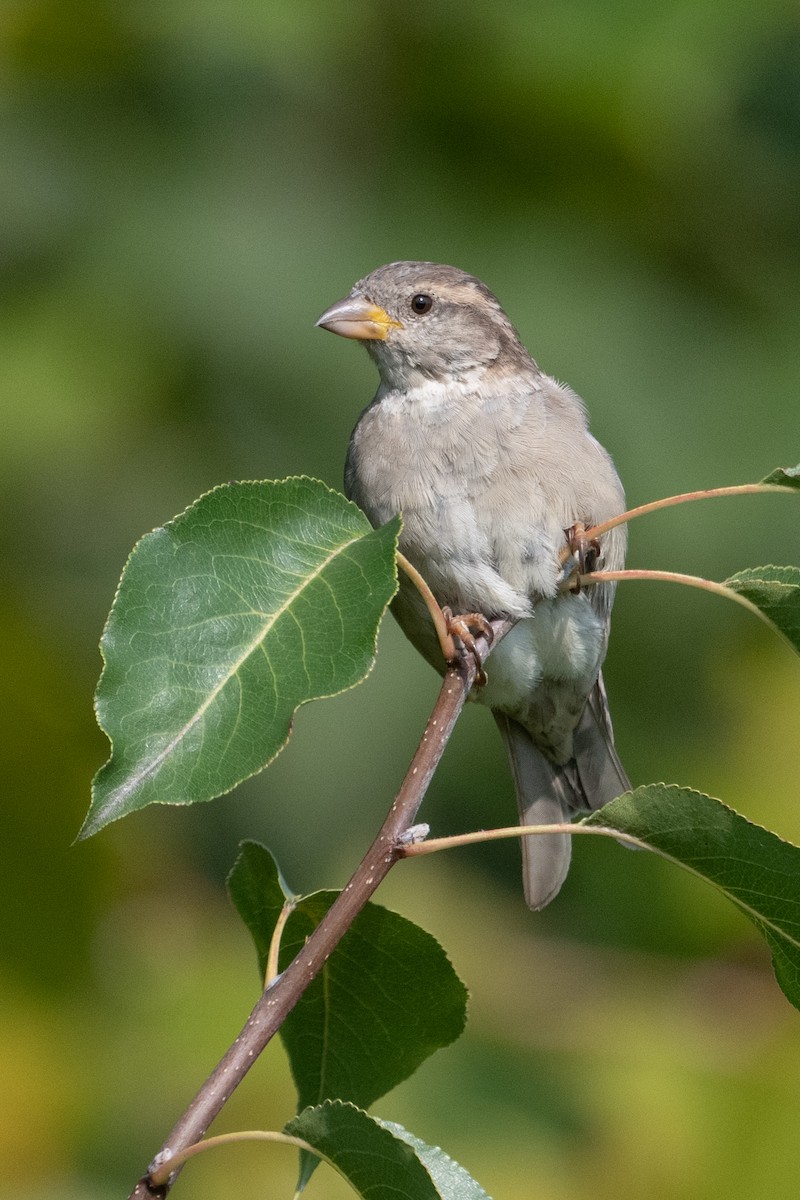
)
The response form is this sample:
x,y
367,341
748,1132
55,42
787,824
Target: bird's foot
x,y
466,627
585,552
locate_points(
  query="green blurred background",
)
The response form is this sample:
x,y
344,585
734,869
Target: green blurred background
x,y
184,186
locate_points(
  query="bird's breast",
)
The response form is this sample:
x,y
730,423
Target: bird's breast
x,y
432,457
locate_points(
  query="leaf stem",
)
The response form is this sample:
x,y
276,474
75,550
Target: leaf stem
x,y
168,1164
434,845
740,489
434,608
279,999
577,828
695,581
271,973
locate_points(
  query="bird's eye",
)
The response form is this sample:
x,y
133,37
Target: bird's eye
x,y
421,303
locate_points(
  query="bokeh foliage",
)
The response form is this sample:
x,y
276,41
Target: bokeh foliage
x,y
183,187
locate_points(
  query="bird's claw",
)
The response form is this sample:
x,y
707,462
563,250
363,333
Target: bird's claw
x,y
466,627
585,551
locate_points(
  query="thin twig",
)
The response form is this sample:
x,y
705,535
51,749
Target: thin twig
x,y
280,998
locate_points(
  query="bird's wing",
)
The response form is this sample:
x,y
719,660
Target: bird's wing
x,y
602,775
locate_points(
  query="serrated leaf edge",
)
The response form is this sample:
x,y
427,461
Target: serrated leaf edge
x,y
753,915
773,479
346,1104
91,826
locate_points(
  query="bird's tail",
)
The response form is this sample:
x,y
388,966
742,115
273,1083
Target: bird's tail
x,y
549,794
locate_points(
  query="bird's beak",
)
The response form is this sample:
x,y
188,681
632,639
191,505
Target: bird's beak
x,y
357,317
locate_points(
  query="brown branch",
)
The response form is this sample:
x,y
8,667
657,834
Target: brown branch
x,y
281,996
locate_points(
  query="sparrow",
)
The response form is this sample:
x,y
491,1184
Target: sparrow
x,y
491,464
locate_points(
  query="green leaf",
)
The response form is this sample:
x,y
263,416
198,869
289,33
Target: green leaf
x,y
788,477
754,868
452,1180
379,1161
775,592
387,998
257,599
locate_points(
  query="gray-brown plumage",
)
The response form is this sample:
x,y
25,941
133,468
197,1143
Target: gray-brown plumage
x,y
490,461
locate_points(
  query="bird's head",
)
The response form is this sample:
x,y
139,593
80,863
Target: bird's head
x,y
425,319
